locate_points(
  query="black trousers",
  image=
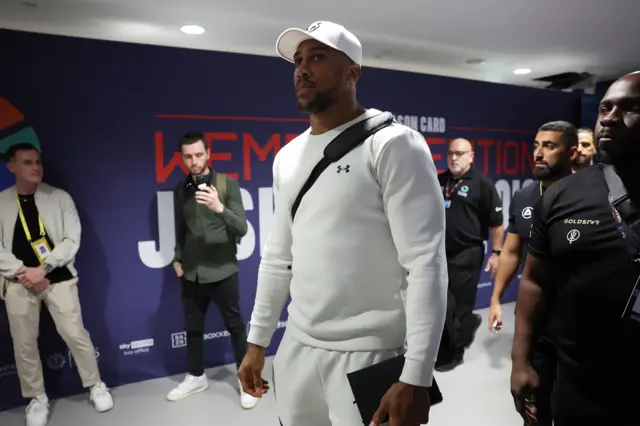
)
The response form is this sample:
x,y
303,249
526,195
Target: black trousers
x,y
464,273
196,298
544,359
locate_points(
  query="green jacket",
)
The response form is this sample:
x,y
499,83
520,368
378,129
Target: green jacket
x,y
206,241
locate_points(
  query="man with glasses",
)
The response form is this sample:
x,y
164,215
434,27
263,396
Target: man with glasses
x,y
472,207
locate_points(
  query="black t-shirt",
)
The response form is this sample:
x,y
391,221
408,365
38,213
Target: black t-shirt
x,y
22,247
525,201
472,207
521,210
574,229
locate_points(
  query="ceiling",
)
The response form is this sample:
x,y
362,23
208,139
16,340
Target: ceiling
x,y
435,37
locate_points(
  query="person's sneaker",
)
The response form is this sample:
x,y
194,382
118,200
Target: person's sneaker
x,y
247,401
37,412
101,397
189,386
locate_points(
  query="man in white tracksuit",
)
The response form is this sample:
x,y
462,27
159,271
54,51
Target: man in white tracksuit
x,y
370,227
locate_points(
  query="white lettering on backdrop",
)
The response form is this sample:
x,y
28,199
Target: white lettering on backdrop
x,y
421,123
159,254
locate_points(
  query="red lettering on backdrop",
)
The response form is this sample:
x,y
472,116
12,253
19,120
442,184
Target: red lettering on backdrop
x,y
498,152
436,157
506,156
162,171
220,156
526,158
249,144
486,143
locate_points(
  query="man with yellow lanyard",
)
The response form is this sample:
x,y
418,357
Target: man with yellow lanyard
x,y
40,236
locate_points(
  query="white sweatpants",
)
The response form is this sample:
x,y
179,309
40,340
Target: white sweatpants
x,y
311,386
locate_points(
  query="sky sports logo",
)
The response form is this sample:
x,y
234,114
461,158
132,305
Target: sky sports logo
x,y
136,347
179,340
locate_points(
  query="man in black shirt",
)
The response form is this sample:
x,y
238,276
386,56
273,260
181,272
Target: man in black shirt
x,y
578,249
554,151
473,206
40,236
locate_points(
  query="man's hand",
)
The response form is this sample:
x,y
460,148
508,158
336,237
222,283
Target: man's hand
x,y
495,315
209,197
31,276
250,372
524,384
177,266
405,404
492,264
40,286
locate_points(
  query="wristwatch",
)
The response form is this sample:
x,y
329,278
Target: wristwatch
x,y
496,252
48,267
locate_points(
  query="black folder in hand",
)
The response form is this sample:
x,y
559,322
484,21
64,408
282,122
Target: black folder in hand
x,y
370,384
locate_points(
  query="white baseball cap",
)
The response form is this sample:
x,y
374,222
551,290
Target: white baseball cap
x,y
333,35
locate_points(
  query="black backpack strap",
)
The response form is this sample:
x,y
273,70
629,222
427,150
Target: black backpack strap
x,y
625,214
340,146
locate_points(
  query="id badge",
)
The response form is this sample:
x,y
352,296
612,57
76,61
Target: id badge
x,y
447,204
632,309
41,248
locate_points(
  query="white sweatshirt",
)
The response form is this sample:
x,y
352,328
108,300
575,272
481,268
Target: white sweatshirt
x,y
372,223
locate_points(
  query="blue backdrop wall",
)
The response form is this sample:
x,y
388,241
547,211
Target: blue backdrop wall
x,y
108,117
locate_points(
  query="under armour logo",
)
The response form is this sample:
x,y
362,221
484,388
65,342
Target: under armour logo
x,y
343,169
313,27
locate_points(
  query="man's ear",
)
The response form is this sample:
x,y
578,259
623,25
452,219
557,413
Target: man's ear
x,y
573,153
354,73
11,165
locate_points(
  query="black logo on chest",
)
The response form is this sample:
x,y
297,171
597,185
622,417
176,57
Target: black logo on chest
x,y
344,169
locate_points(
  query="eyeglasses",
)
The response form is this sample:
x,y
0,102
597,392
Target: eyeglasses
x,y
457,153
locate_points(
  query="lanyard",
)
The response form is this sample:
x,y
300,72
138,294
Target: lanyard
x,y
448,189
24,221
627,235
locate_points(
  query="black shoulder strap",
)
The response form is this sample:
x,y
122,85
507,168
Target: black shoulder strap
x,y
625,214
341,146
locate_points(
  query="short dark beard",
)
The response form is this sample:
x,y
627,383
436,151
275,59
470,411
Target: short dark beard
x,y
320,103
583,161
544,173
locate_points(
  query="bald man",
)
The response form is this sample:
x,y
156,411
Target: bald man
x,y
585,245
473,211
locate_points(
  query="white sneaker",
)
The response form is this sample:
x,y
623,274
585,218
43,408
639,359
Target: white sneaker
x,y
189,386
38,411
101,397
247,401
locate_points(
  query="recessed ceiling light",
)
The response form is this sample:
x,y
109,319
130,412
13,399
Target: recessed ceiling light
x,y
192,29
522,71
